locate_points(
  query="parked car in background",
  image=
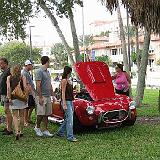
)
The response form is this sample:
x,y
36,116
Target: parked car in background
x,y
97,105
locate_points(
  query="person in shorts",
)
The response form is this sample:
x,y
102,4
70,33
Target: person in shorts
x,y
3,93
15,104
44,92
28,66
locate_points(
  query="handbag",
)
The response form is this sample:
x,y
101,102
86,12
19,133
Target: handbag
x,y
19,94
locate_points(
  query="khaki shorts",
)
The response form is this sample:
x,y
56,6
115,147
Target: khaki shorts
x,y
46,108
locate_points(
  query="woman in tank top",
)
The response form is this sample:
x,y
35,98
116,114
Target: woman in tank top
x,y
67,105
17,106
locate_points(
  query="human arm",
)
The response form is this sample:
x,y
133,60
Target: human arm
x,y
63,88
24,81
39,91
114,77
8,89
38,78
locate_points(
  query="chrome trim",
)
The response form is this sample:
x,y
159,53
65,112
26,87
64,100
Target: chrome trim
x,y
116,121
90,107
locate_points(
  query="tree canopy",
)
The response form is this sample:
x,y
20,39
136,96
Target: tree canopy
x,y
88,40
14,14
18,53
60,55
145,13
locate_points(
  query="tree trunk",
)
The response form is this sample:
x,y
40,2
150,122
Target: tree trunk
x,y
138,59
122,37
128,39
55,23
74,36
143,69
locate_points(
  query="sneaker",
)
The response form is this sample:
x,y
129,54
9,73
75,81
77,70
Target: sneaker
x,y
73,140
47,134
38,132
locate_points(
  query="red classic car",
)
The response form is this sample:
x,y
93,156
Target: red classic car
x,y
97,105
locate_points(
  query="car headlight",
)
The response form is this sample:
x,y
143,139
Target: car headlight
x,y
132,105
90,110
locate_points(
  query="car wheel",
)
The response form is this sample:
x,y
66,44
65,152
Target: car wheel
x,y
77,126
129,122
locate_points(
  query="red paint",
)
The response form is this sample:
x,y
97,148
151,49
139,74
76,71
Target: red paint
x,y
96,78
98,82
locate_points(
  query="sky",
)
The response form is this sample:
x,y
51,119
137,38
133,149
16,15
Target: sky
x,y
44,33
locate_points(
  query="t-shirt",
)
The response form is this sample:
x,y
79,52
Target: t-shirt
x,y
3,81
121,81
43,75
28,76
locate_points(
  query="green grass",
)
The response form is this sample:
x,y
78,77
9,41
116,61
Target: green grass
x,y
149,107
139,142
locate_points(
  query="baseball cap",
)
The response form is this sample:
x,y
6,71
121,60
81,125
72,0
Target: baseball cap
x,y
28,62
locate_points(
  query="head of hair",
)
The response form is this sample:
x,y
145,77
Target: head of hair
x,y
44,60
16,71
66,72
120,66
4,60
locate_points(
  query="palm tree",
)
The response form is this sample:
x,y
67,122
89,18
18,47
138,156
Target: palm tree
x,y
143,68
145,15
59,31
123,40
74,35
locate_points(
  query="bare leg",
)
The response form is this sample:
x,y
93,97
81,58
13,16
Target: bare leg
x,y
15,120
45,120
26,116
39,120
21,116
29,114
8,117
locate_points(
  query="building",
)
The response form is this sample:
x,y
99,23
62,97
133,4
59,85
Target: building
x,y
111,45
113,49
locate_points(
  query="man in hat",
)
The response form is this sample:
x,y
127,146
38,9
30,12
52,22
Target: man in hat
x,y
28,66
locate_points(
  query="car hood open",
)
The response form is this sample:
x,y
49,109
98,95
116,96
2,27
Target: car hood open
x,y
96,78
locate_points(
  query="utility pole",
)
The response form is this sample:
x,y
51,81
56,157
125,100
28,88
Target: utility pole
x,y
30,41
84,49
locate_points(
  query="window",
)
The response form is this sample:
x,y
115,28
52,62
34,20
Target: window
x,y
114,51
151,50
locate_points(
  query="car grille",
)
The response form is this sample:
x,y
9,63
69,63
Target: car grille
x,y
114,116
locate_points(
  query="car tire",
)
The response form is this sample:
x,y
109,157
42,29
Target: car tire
x,y
77,126
129,122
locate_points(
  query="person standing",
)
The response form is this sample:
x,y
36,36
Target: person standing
x,y
3,92
16,105
122,80
44,92
31,101
67,105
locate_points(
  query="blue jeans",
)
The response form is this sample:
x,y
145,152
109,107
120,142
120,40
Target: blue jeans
x,y
67,124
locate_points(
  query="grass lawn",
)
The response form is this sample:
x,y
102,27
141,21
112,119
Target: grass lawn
x,y
139,142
